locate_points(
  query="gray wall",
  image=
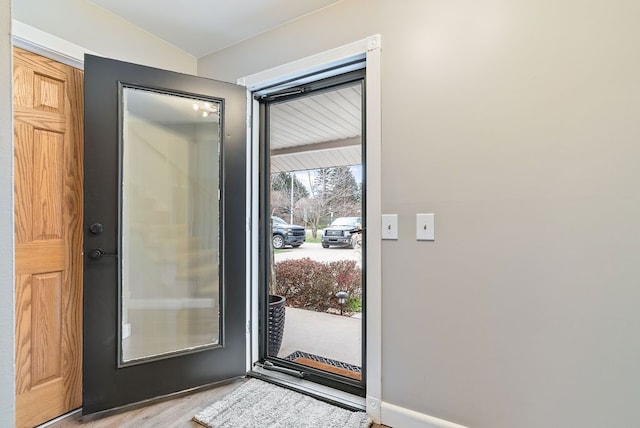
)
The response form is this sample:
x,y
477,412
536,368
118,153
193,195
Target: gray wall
x,y
517,123
7,417
93,28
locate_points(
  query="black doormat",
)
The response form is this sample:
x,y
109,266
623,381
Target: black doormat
x,y
324,360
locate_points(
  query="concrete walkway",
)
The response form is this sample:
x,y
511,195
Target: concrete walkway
x,y
314,251
331,336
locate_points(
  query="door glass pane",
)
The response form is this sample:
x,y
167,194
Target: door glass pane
x,y
317,222
169,225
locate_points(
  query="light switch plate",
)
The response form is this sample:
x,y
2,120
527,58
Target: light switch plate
x,y
389,226
425,227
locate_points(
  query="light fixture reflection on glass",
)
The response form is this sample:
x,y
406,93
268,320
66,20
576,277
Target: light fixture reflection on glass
x,y
205,107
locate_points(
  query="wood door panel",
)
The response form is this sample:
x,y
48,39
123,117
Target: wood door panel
x,y
48,171
26,66
38,350
46,333
48,113
48,94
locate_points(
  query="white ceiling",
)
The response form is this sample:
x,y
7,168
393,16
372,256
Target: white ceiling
x,y
201,27
328,116
318,131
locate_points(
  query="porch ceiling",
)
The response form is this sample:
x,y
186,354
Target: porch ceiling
x,y
318,131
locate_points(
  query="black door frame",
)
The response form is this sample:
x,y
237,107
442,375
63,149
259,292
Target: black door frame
x,y
266,99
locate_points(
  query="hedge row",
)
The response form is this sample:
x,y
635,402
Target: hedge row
x,y
313,285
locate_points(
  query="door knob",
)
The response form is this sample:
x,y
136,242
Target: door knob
x,y
98,253
96,228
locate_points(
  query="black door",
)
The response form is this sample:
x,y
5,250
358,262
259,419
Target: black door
x,y
165,233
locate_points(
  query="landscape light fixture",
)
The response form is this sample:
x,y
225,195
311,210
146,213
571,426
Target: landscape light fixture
x,y
342,299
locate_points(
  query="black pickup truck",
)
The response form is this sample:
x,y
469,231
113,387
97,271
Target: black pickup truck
x,y
342,232
286,234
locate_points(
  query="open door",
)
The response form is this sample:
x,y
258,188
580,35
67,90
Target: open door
x,y
165,233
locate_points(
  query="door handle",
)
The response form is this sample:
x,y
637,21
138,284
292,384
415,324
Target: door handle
x,y
96,228
98,253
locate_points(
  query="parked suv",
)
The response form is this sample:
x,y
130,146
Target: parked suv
x,y
342,232
286,234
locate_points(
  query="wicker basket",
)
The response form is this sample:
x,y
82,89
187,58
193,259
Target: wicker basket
x,y
276,323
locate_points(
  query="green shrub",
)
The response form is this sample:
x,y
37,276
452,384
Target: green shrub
x,y
354,304
313,285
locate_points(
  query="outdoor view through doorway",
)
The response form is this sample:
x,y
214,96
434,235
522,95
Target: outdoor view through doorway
x,y
316,204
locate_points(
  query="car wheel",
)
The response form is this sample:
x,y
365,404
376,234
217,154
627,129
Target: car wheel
x,y
278,242
325,245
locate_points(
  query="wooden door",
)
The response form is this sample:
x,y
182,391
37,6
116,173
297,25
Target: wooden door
x,y
48,108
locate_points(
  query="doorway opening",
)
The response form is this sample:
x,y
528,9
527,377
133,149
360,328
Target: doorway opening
x,y
313,245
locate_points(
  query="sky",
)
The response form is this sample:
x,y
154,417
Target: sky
x,y
304,176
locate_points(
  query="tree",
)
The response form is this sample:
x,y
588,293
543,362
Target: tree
x,y
280,202
281,192
344,194
316,207
313,213
282,181
334,191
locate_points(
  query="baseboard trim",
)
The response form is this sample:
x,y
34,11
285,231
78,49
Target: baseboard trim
x,y
396,416
373,408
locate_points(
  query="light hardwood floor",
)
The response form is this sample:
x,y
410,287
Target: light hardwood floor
x,y
176,413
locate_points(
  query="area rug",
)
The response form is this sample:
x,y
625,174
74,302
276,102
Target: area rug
x,y
258,404
326,364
